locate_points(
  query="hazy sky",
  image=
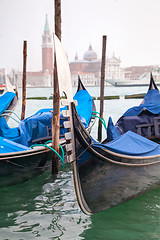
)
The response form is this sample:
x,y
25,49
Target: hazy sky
x,y
132,28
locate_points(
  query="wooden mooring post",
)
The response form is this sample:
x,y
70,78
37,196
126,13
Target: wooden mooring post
x,y
103,63
56,96
24,80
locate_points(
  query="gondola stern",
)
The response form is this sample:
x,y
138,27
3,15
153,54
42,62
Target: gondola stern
x,y
70,136
79,128
152,84
82,203
80,85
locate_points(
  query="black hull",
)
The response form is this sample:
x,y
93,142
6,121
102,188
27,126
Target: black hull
x,y
21,166
104,179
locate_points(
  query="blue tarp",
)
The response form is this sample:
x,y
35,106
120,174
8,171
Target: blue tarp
x,y
132,144
5,100
6,131
142,114
151,103
84,108
35,127
85,104
127,123
7,146
112,132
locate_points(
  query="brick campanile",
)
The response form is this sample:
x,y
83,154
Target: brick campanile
x,y
47,49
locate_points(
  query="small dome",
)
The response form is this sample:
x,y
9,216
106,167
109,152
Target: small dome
x,y
90,55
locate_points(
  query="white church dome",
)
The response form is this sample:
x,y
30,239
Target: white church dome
x,y
90,55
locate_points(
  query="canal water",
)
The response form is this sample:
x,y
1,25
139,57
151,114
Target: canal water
x,y
45,207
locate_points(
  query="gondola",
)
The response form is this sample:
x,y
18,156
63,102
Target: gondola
x,y
26,150
126,164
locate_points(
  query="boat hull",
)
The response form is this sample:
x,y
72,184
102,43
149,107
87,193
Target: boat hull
x,y
104,179
105,185
21,166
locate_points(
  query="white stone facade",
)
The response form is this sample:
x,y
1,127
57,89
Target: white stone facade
x,y
113,68
88,79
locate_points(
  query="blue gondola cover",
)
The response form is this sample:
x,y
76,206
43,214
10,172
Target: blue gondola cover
x,y
7,146
151,103
35,127
142,114
5,100
133,144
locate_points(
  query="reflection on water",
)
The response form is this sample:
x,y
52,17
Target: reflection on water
x,y
136,219
45,207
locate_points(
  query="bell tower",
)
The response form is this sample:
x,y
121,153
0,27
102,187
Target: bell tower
x,y
47,49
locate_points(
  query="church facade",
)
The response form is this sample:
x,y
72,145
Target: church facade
x,y
89,68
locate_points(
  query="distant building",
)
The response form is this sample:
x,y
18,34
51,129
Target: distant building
x,y
2,76
88,79
44,77
135,72
156,72
89,68
113,68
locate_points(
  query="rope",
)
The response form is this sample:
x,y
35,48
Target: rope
x,y
102,120
52,149
3,114
10,111
50,141
77,158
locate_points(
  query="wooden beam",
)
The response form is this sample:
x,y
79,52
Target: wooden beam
x,y
56,97
57,18
103,64
24,80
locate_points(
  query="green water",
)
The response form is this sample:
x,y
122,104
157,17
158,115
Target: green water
x,y
45,207
137,219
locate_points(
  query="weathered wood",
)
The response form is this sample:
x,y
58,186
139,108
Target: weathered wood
x,y
153,129
109,97
24,80
55,122
103,64
139,95
57,7
56,97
